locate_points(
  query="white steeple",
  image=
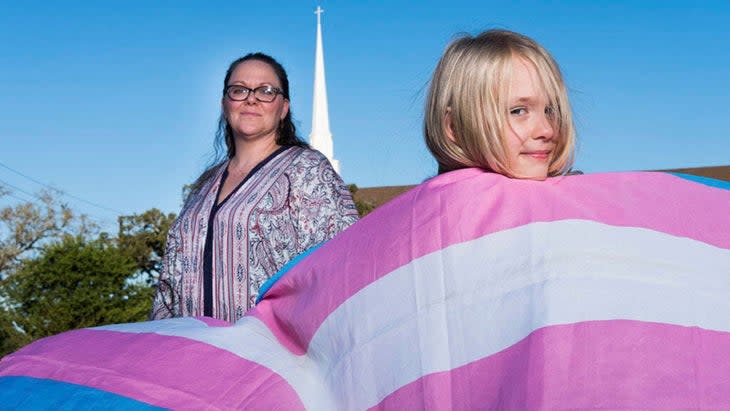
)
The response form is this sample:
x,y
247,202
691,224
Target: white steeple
x,y
321,138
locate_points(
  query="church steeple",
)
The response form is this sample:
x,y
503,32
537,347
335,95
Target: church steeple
x,y
321,138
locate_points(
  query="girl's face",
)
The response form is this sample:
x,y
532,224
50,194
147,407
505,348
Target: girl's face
x,y
529,134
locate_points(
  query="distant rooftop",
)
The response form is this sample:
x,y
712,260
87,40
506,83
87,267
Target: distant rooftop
x,y
717,172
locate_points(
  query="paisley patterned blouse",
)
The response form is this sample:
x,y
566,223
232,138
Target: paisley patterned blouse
x,y
291,203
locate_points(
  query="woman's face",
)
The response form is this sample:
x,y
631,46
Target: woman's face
x,y
251,119
529,134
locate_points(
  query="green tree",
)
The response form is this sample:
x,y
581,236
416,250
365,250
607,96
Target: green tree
x,y
143,238
25,227
10,337
75,283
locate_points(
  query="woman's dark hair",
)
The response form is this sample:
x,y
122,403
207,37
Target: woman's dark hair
x,y
286,135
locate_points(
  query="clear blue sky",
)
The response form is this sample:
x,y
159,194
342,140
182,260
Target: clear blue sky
x,y
116,102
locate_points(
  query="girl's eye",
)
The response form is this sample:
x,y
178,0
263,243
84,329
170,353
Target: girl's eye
x,y
518,111
549,111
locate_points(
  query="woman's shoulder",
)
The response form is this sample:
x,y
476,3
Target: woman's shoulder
x,y
309,156
311,167
211,172
203,182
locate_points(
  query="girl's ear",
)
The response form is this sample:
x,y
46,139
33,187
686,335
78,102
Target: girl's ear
x,y
448,128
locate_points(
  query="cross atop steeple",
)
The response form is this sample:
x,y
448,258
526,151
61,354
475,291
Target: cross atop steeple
x,y
318,12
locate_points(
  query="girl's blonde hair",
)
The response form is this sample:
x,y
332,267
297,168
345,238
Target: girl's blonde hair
x,y
468,96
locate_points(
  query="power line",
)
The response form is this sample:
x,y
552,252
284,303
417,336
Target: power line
x,y
56,190
16,197
19,189
34,198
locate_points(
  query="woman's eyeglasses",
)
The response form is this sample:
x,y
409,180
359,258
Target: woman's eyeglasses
x,y
265,94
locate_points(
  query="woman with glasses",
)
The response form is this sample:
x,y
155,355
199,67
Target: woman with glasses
x,y
268,199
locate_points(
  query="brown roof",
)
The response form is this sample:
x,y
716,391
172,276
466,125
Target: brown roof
x,y
717,172
373,197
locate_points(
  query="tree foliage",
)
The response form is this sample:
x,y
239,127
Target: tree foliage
x,y
10,337
75,283
363,207
57,273
24,228
143,238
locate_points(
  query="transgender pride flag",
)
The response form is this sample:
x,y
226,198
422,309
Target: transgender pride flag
x,y
471,291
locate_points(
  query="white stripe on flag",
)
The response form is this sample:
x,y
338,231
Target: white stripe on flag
x,y
249,338
474,299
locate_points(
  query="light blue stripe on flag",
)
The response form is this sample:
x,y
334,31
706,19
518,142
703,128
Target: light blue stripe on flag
x,y
271,281
705,180
27,393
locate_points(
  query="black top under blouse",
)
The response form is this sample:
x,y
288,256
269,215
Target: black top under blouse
x,y
208,250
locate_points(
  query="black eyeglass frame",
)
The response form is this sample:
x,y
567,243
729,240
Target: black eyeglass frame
x,y
255,90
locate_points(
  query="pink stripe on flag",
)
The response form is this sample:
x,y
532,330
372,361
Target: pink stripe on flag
x,y
169,372
468,204
617,365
